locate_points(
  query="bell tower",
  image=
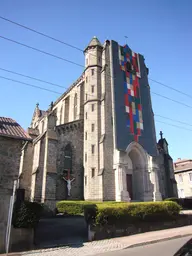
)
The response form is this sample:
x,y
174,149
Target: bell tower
x,y
92,95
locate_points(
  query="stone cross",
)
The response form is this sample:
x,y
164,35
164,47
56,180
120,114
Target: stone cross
x,y
69,181
161,134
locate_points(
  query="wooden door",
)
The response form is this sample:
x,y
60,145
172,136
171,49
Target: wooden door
x,y
129,185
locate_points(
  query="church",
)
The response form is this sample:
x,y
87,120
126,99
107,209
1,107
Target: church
x,y
98,140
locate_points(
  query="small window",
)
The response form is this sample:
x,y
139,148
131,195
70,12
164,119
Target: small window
x,y
86,79
86,61
85,135
92,107
92,72
180,178
190,176
85,157
92,88
93,149
92,172
99,59
92,127
86,115
86,96
68,157
85,180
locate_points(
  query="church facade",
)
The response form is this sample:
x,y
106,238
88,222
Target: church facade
x,y
98,140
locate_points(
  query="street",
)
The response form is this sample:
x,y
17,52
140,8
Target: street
x,y
171,241
167,248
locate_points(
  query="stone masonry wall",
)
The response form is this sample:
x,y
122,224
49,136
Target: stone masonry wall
x,y
107,231
10,151
26,171
39,173
51,175
70,133
162,177
109,174
35,166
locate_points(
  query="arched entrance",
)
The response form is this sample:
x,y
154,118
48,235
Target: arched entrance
x,y
133,178
136,176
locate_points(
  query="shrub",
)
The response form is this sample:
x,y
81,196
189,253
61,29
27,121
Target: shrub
x,y
185,203
72,207
27,215
77,207
127,213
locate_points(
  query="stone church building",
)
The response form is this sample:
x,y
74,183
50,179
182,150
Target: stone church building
x,y
100,134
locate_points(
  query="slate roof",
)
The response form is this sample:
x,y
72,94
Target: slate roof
x,y
10,128
94,42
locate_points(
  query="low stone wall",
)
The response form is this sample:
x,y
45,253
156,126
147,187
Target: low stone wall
x,y
105,232
21,239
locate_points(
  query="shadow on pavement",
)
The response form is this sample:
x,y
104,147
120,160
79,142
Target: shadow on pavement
x,y
60,232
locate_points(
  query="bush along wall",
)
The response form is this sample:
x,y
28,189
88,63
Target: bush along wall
x,y
77,207
111,220
129,213
26,215
72,207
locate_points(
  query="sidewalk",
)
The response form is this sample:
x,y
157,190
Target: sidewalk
x,y
102,246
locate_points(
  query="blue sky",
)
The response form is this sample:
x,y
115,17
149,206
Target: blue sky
x,y
160,30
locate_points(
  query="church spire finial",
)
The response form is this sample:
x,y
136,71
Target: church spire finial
x,y
161,134
37,105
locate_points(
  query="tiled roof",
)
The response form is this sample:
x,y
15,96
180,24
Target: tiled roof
x,y
182,165
10,128
179,160
183,169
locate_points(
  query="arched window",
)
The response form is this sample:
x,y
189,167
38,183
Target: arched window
x,y
75,106
68,158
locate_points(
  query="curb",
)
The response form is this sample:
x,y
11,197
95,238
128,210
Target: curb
x,y
77,245
156,241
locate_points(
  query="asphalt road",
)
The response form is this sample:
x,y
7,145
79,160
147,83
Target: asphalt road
x,y
167,248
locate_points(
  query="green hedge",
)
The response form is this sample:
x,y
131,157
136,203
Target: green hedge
x,y
71,207
27,215
185,203
77,207
127,213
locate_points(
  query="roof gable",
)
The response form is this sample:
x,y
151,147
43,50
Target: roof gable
x,y
37,114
